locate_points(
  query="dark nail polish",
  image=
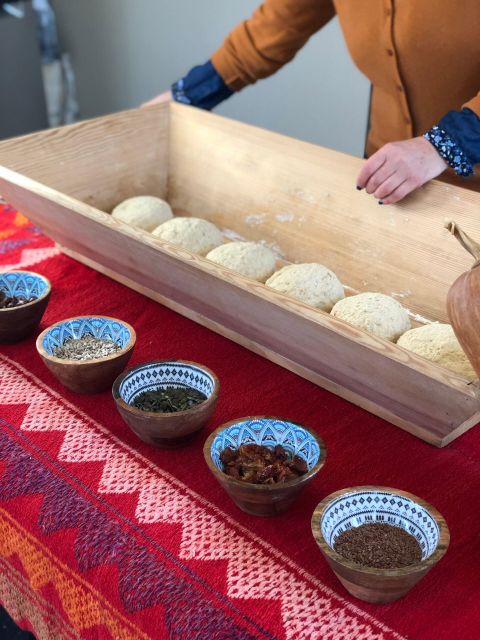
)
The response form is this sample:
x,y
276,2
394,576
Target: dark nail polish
x,y
380,202
359,188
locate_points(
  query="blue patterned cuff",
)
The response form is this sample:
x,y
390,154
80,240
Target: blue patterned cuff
x,y
202,87
450,151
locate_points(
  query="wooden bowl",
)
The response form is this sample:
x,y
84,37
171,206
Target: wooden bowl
x,y
360,505
19,322
166,430
87,376
262,499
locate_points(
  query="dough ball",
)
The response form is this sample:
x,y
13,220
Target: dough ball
x,y
374,312
312,283
437,342
251,259
195,234
145,212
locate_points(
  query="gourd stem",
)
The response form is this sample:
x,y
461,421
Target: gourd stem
x,y
467,243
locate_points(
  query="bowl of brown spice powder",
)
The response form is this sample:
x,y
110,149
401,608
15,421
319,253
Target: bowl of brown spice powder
x,y
263,462
379,541
86,353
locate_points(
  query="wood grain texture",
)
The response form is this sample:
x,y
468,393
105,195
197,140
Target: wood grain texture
x,y
302,198
308,374
417,395
100,162
378,586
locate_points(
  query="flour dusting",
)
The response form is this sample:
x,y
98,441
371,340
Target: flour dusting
x,y
255,218
274,247
419,318
286,216
306,196
232,235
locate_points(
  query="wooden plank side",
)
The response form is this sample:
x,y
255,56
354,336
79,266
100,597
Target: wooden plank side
x,y
100,162
302,199
308,374
409,388
62,216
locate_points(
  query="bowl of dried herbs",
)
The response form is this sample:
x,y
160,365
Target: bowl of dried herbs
x,y
165,402
86,353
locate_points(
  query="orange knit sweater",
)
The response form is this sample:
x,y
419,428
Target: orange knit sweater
x,y
421,56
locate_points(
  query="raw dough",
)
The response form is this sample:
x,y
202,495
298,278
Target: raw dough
x,y
374,312
311,283
251,259
195,234
437,342
145,212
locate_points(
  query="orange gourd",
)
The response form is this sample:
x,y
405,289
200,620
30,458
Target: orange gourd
x,y
463,300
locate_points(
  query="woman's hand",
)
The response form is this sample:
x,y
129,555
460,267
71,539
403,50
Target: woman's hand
x,y
163,97
399,168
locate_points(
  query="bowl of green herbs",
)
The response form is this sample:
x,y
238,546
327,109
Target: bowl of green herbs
x,y
165,402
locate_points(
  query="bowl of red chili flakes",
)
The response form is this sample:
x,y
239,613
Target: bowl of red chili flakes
x,y
264,462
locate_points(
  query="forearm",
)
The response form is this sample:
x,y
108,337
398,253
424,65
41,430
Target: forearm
x,y
255,49
202,87
399,168
259,46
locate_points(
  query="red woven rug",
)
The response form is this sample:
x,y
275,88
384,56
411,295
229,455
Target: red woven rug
x,y
104,537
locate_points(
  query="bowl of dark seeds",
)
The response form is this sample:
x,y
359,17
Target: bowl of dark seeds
x,y
165,402
379,541
264,462
86,353
24,296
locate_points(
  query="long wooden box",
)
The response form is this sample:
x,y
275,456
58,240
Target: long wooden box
x,y
297,197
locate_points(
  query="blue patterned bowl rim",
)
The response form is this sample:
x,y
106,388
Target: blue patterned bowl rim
x,y
14,276
431,519
125,335
310,446
121,390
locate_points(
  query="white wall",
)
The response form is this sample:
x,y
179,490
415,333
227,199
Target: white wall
x,y
126,51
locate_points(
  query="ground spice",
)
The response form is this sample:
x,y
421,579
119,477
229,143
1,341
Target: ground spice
x,y
8,302
378,545
168,400
86,348
258,464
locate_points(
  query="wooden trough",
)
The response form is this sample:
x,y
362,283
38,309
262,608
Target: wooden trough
x,y
298,198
